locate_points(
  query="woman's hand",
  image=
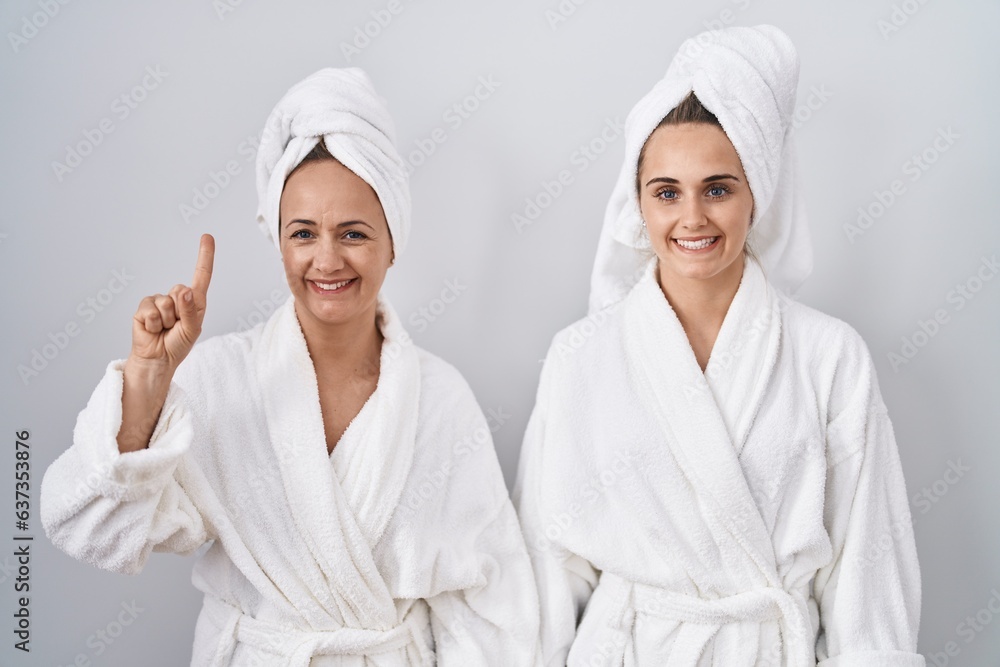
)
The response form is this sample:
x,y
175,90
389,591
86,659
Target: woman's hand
x,y
164,329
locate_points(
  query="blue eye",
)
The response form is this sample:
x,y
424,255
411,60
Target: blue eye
x,y
296,233
718,191
662,194
358,236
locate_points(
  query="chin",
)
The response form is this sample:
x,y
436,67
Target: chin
x,y
338,312
328,313
700,273
689,268
695,269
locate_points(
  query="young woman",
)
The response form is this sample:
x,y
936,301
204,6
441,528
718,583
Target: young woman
x,y
345,478
709,476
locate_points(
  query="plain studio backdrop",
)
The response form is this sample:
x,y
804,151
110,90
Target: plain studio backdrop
x,y
129,129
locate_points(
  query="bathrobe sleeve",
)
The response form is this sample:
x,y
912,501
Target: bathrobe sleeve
x,y
111,509
869,595
493,623
565,580
484,609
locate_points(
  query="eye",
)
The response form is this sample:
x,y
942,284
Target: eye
x,y
666,194
301,234
718,191
355,235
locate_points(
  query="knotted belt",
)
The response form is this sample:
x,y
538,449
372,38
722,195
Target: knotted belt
x,y
702,618
300,646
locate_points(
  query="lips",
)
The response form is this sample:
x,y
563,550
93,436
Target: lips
x,y
332,287
697,244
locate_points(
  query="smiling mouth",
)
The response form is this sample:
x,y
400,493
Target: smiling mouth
x,y
329,288
700,244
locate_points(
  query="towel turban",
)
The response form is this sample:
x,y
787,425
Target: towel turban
x,y
748,78
341,108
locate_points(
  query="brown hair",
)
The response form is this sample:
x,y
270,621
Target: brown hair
x,y
690,110
319,152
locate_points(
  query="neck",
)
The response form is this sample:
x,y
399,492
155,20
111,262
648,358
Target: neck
x,y
702,304
350,346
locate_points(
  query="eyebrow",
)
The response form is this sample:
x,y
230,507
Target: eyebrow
x,y
339,224
709,179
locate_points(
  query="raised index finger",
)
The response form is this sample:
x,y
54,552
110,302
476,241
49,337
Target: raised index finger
x,y
203,269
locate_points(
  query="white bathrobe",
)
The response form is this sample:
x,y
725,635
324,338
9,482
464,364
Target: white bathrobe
x,y
751,515
399,548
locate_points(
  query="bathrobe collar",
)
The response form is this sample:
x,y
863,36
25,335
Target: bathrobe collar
x,y
340,525
706,416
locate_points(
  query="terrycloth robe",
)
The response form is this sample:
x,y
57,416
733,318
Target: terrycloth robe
x,y
754,514
399,548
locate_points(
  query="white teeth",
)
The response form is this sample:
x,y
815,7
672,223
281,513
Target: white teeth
x,y
329,286
696,245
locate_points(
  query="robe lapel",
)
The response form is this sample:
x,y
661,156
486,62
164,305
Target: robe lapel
x,y
374,460
695,429
745,351
342,575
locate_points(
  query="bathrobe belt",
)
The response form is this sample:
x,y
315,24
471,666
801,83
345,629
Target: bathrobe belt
x,y
300,646
704,617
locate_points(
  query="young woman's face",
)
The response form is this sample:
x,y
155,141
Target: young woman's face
x,y
695,201
335,242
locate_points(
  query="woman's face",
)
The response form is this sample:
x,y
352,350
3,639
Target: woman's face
x,y
335,243
695,200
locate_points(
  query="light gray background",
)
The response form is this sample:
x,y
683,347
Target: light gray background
x,y
888,97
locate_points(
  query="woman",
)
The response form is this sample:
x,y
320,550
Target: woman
x,y
345,478
709,476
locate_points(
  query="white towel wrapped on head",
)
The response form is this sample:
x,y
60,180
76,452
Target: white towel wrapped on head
x,y
747,77
341,107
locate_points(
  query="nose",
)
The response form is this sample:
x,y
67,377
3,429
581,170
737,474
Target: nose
x,y
693,213
328,259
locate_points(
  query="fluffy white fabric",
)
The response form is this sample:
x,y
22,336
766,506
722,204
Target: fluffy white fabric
x,y
752,515
747,77
341,108
399,548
